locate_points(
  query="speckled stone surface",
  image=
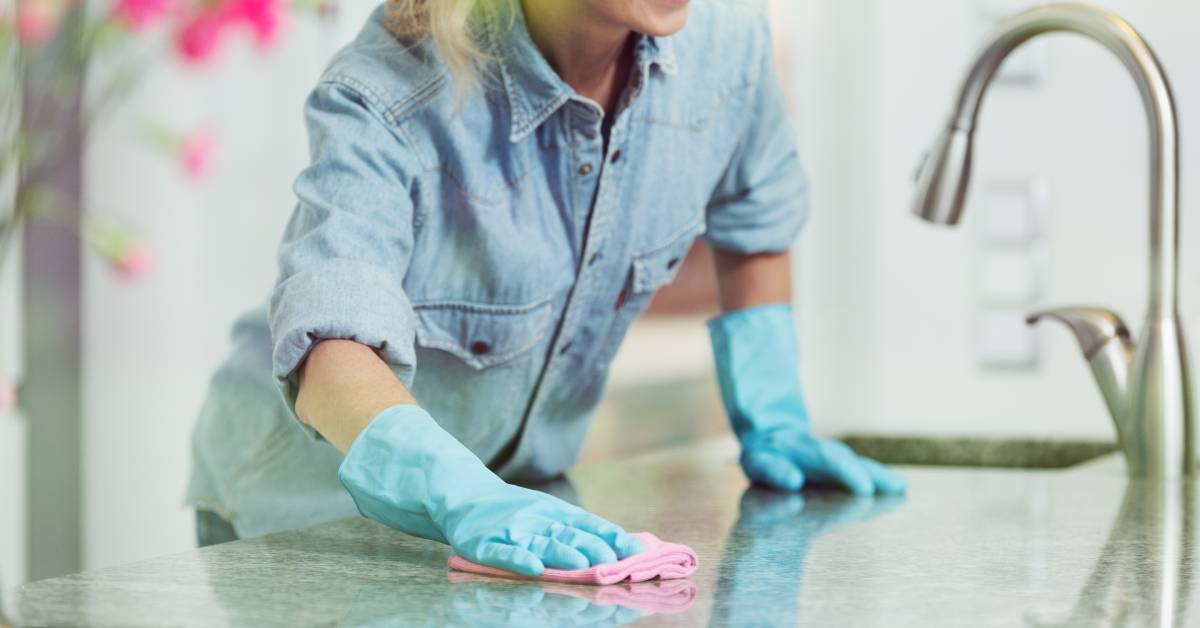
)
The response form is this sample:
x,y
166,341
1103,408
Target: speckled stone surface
x,y
967,547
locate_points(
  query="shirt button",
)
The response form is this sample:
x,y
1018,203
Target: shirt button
x,y
594,258
585,169
672,263
565,348
480,347
616,156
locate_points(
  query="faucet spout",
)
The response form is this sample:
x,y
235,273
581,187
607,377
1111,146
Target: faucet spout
x,y
1152,406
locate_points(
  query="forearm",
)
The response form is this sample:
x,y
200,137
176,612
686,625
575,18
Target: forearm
x,y
343,385
749,280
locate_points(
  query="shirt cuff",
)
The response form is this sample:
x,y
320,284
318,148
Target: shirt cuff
x,y
750,225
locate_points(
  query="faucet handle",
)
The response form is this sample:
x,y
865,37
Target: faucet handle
x,y
1092,326
1108,347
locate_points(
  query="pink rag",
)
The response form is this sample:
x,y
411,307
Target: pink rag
x,y
661,560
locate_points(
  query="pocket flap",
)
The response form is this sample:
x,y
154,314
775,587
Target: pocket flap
x,y
656,268
482,335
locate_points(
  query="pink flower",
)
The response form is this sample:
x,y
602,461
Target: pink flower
x,y
200,36
128,255
135,262
137,14
36,21
8,395
196,151
262,16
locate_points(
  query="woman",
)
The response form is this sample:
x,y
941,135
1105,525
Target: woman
x,y
497,189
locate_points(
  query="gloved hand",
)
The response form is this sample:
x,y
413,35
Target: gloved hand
x,y
406,472
757,370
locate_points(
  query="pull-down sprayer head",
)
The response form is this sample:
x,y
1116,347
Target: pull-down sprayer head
x,y
943,177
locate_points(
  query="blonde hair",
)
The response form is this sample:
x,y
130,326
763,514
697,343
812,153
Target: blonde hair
x,y
452,25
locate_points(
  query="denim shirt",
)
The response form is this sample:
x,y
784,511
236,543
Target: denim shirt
x,y
495,252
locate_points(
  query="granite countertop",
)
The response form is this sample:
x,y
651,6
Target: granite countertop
x,y
977,547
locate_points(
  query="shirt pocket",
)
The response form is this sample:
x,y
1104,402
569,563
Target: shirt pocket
x,y
650,270
483,335
657,267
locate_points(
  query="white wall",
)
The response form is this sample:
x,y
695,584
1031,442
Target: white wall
x,y
834,85
889,301
151,346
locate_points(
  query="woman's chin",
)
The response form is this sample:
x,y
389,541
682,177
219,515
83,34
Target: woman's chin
x,y
669,16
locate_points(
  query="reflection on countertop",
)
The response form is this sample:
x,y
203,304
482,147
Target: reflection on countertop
x,y
1143,575
981,547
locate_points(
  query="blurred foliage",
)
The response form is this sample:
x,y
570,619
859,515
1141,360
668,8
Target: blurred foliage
x,y
46,46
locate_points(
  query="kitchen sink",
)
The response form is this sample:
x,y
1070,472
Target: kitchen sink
x,y
978,452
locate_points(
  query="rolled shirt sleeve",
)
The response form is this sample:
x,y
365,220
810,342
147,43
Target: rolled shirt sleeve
x,y
761,202
347,246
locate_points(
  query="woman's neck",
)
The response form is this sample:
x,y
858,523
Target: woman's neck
x,y
591,55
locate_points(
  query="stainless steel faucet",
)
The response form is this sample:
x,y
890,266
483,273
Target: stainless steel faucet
x,y
1146,386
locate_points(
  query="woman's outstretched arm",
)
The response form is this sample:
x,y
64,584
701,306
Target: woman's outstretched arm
x,y
343,385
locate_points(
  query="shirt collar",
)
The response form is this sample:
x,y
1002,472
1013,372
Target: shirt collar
x,y
655,51
533,89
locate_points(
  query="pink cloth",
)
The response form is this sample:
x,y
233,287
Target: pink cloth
x,y
662,560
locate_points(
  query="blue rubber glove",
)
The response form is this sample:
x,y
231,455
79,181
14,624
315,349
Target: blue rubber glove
x,y
758,372
406,472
